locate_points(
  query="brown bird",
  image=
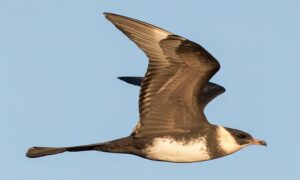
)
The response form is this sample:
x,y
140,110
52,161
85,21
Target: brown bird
x,y
173,95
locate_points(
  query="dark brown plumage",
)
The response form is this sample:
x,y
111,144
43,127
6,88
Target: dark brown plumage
x,y
207,94
173,95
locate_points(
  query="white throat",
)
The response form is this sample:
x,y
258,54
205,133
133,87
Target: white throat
x,y
226,141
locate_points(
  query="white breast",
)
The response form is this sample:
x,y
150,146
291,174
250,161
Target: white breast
x,y
168,149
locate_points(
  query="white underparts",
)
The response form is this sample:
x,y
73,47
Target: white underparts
x,y
226,141
169,149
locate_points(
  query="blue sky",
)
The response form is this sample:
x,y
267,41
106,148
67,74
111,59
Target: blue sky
x,y
59,61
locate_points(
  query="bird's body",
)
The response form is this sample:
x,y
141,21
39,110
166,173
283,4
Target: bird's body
x,y
174,93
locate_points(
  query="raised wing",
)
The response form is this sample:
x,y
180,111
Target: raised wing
x,y
178,71
210,91
137,81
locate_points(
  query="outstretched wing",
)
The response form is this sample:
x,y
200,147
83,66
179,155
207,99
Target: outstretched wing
x,y
178,71
210,91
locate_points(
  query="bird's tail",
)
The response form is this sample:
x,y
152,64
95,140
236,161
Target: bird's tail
x,y
116,146
35,152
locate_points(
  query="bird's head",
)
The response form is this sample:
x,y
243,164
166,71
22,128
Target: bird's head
x,y
231,140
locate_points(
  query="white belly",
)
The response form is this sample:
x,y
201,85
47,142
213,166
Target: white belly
x,y
168,149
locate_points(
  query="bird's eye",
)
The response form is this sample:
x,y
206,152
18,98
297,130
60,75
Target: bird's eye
x,y
241,136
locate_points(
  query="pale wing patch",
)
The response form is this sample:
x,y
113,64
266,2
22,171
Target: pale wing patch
x,y
168,149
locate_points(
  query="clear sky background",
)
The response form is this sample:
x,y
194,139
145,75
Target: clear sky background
x,y
59,61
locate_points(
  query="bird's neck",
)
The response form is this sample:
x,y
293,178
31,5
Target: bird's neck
x,y
225,140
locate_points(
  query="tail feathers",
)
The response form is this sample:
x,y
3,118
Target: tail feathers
x,y
35,152
115,146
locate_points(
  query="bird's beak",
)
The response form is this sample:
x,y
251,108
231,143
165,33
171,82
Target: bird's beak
x,y
259,142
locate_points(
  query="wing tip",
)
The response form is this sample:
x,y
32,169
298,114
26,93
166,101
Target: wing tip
x,y
122,78
115,18
217,86
109,15
133,80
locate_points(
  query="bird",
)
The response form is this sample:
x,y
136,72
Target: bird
x,y
172,126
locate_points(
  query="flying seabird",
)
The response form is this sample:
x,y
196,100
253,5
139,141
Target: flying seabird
x,y
174,92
